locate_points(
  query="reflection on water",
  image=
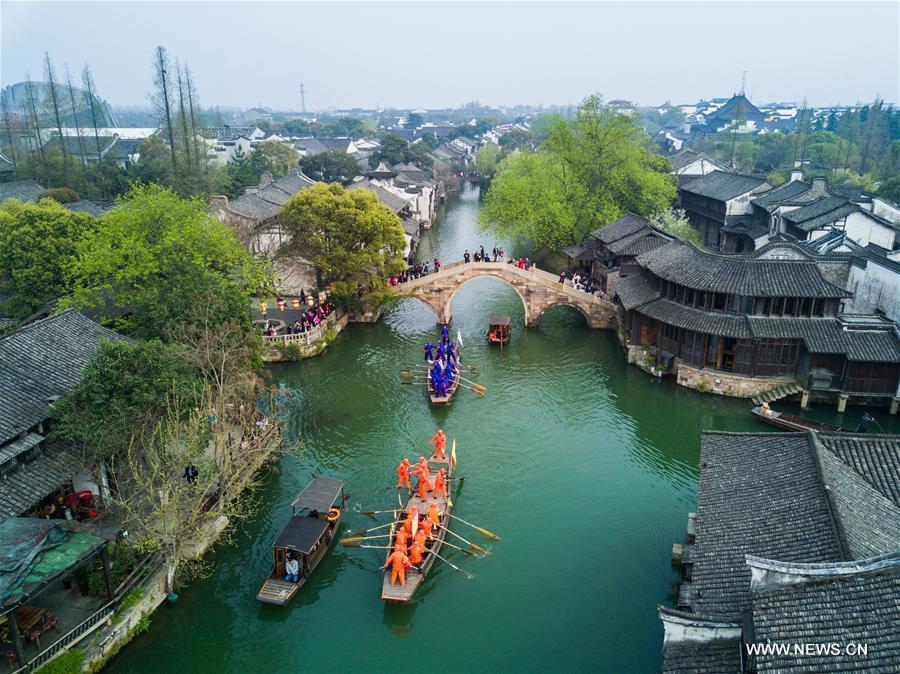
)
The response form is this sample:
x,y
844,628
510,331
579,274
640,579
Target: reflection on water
x,y
585,466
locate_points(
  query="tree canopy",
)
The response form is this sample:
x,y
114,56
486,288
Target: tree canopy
x,y
353,240
330,167
585,175
395,150
156,251
37,243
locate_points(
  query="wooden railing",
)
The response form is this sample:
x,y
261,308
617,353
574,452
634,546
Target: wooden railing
x,y
70,638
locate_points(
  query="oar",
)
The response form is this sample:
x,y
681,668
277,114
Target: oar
x,y
473,390
483,388
465,573
377,512
474,384
424,371
364,532
477,528
471,545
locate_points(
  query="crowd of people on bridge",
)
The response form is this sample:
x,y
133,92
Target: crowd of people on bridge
x,y
480,255
443,361
416,270
582,280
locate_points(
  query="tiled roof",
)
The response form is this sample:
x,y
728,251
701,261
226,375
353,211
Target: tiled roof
x,y
30,482
815,209
632,290
626,225
639,243
856,607
95,208
389,199
265,203
228,133
828,335
759,494
876,457
73,145
41,361
23,190
723,186
775,196
690,318
738,274
719,656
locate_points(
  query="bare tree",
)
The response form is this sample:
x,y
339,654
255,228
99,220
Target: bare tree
x,y
183,122
194,108
53,102
90,88
75,118
36,123
162,101
7,124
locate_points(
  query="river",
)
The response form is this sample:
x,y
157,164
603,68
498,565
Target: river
x,y
585,466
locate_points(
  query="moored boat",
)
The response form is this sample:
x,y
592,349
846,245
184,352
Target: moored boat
x,y
316,516
415,576
498,329
792,422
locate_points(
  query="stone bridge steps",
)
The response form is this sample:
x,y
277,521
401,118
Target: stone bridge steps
x,y
777,393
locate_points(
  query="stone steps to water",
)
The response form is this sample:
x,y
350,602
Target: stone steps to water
x,y
777,393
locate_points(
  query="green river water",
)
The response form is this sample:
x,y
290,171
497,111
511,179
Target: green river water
x,y
586,466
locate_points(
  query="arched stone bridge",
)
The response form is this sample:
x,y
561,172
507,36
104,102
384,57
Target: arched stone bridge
x,y
539,290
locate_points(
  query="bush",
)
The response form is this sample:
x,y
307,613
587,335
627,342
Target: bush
x,y
61,195
67,663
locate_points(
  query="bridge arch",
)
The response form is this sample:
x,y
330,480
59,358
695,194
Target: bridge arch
x,y
490,274
544,309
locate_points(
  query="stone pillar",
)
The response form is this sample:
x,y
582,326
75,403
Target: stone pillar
x,y
895,404
804,400
842,402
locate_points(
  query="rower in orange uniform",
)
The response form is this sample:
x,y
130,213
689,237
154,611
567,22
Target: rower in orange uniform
x,y
415,553
422,469
403,474
440,487
397,561
425,525
439,440
424,486
434,513
421,537
411,516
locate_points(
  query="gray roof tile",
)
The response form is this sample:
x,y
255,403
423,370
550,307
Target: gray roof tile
x,y
723,186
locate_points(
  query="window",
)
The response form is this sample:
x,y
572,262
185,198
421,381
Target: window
x,y
692,348
776,306
746,305
776,357
806,307
700,299
790,306
719,301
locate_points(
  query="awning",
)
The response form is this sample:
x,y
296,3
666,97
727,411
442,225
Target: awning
x,y
301,533
320,494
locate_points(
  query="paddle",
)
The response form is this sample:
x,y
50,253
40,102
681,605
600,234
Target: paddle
x,y
482,387
351,541
364,532
379,512
465,573
471,545
477,528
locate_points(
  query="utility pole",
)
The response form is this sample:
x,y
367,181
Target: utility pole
x,y
302,98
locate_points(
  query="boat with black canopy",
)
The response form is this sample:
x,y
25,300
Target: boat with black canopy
x,y
316,516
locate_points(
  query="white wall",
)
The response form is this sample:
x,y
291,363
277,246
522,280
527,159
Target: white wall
x,y
875,287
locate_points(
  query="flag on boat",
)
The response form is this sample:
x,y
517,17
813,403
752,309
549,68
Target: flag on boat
x,y
453,455
415,519
459,337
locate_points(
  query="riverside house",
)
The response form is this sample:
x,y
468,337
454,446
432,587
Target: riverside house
x,y
796,539
743,325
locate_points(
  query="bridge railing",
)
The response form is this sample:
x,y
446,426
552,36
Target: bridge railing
x,y
534,274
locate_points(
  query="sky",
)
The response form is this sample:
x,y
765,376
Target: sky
x,y
434,55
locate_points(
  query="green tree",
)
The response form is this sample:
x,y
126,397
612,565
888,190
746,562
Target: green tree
x,y
280,157
486,159
330,167
395,150
154,164
37,243
151,234
675,222
353,240
125,390
597,166
890,189
414,121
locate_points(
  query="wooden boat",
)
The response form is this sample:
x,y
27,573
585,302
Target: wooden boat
x,y
443,400
416,576
498,329
316,516
792,422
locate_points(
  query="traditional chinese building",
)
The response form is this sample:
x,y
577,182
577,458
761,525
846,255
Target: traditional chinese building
x,y
796,539
741,325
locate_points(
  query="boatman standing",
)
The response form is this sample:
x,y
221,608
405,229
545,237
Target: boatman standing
x,y
429,347
398,563
403,474
440,486
445,332
439,440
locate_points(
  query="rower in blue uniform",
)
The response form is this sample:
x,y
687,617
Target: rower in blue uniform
x,y
429,347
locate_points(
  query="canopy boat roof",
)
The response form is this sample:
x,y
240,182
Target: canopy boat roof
x,y
499,319
320,494
301,533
